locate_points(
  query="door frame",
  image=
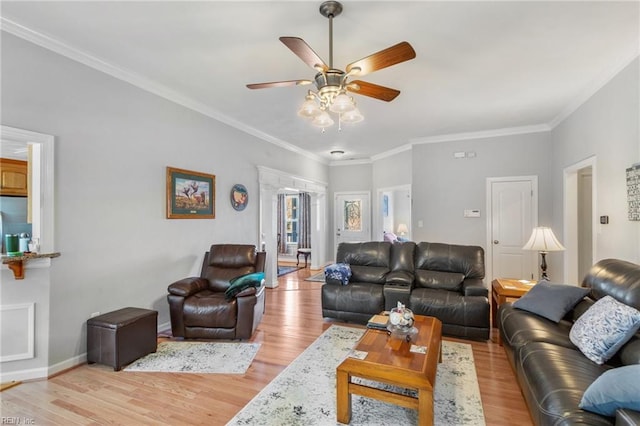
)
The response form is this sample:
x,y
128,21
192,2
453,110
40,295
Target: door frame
x,y
271,181
570,217
378,211
534,217
367,194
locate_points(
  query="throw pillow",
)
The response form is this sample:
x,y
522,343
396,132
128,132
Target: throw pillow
x,y
243,282
551,301
338,272
604,328
615,388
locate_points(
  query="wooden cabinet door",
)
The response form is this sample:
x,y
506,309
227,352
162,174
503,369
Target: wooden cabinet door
x,y
13,177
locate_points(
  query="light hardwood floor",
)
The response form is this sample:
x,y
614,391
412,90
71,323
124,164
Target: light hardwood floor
x,y
96,395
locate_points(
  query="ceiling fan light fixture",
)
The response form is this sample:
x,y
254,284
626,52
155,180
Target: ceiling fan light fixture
x,y
309,108
322,120
341,104
353,116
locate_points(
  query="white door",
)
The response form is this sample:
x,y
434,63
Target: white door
x,y
513,214
352,217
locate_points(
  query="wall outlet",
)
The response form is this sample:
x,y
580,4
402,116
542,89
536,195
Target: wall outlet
x,y
95,314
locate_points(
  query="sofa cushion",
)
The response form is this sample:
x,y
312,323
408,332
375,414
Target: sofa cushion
x,y
551,301
553,380
604,328
467,260
450,307
356,297
616,388
451,281
520,327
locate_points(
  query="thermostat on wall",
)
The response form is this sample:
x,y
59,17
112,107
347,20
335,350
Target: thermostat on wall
x,y
472,213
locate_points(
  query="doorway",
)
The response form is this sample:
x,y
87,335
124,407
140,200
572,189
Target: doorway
x,y
273,182
512,212
393,212
579,219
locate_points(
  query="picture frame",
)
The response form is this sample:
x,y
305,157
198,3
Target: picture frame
x,y
239,197
190,195
385,205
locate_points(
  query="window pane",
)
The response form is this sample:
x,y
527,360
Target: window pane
x,y
353,216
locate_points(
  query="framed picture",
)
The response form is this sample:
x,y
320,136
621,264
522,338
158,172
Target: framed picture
x,y
239,197
385,205
190,195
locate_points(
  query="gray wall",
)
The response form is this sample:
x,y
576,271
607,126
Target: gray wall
x,y
606,126
113,143
443,187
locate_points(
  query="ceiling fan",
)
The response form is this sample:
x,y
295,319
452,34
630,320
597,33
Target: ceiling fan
x,y
332,83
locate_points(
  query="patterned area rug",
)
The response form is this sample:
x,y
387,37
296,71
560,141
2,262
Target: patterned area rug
x,y
282,270
304,393
196,357
319,277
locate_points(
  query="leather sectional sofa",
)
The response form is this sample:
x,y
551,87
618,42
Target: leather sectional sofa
x,y
433,279
552,372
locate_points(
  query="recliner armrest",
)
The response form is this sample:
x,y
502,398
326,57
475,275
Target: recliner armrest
x,y
188,286
474,287
401,278
252,291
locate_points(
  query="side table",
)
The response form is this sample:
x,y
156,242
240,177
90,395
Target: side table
x,y
503,289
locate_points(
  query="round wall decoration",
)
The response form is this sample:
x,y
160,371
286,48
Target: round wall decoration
x,y
239,197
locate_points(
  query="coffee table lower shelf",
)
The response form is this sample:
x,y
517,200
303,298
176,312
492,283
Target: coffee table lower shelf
x,y
389,361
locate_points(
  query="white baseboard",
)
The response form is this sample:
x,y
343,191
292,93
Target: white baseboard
x,y
46,372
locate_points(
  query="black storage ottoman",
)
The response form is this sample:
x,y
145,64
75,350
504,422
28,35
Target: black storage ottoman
x,y
120,337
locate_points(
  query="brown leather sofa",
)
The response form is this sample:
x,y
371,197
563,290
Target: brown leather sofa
x,y
553,374
198,307
433,279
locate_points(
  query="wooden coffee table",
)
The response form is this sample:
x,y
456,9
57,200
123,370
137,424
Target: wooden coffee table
x,y
389,360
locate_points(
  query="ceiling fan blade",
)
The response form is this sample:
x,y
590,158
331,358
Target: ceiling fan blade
x,y
279,84
372,90
385,58
304,52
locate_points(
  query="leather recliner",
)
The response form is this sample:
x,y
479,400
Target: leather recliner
x,y
198,307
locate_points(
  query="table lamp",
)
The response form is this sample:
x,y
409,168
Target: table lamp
x,y
543,240
403,229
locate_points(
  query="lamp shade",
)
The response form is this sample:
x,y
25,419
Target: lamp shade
x,y
352,116
322,120
342,103
542,239
403,228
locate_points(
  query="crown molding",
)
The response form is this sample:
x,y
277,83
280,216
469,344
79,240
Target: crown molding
x,y
144,83
391,152
350,162
593,88
537,128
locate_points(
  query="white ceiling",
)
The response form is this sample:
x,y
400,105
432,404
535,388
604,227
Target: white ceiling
x,y
481,67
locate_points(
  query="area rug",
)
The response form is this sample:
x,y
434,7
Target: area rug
x,y
319,277
304,393
197,357
282,270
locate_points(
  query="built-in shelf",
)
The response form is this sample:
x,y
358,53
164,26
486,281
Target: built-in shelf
x,y
16,263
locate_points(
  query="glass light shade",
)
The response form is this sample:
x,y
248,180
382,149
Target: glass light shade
x,y
322,120
403,229
342,103
309,109
543,239
353,116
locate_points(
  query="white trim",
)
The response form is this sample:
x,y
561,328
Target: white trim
x,y
30,309
67,364
569,217
350,162
392,152
378,209
42,217
536,128
591,90
144,83
534,218
22,375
